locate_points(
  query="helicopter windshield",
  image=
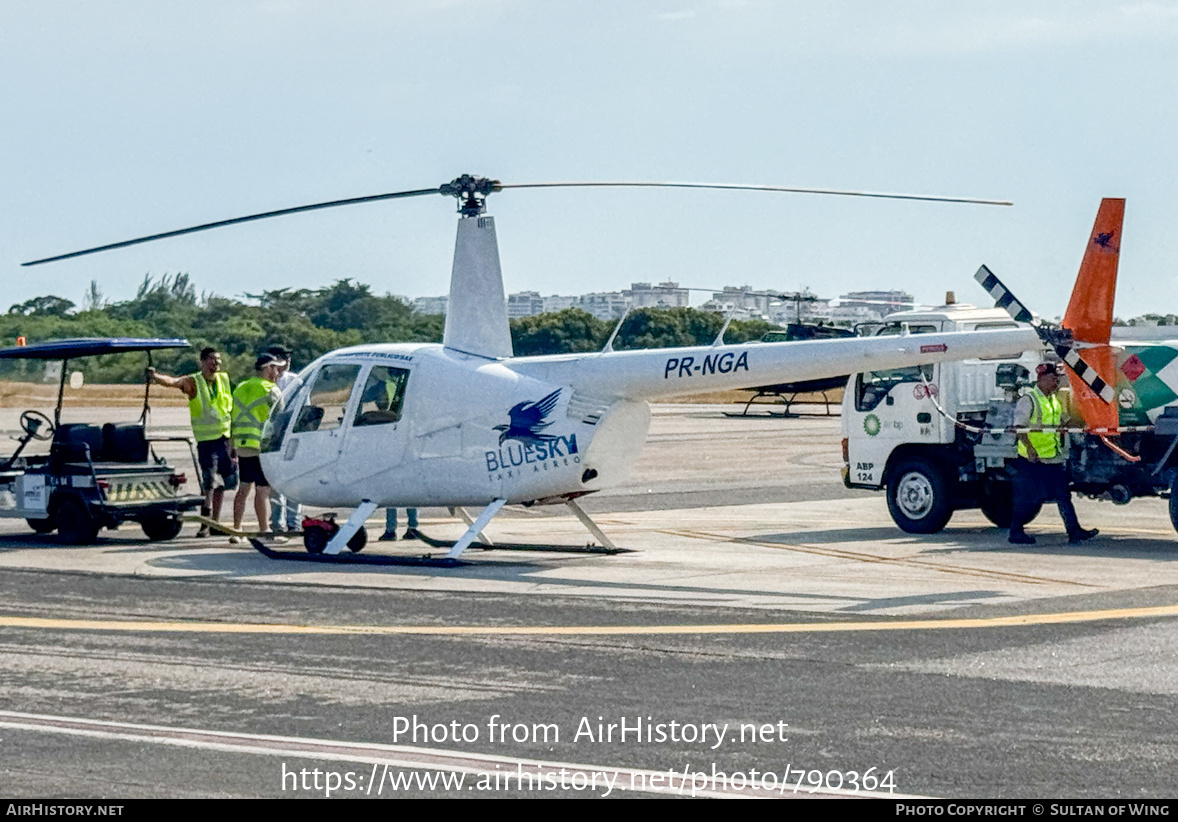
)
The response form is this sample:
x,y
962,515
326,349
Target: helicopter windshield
x,y
318,401
383,396
324,409
872,386
317,408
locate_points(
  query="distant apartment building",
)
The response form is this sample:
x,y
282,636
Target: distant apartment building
x,y
742,302
884,301
604,305
559,302
664,295
780,307
430,305
524,304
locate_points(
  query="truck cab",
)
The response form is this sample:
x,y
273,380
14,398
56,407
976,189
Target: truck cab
x,y
901,426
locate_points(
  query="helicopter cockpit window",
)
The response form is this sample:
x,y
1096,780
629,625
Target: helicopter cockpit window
x,y
383,396
872,386
324,410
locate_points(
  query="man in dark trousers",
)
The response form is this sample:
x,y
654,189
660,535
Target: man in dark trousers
x,y
210,404
1041,472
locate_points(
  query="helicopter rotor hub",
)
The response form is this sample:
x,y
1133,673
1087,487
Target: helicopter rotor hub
x,y
471,193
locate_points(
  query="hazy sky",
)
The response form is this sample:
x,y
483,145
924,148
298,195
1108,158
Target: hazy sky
x,y
128,118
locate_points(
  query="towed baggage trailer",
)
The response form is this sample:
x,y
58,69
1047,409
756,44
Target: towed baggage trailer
x,y
96,474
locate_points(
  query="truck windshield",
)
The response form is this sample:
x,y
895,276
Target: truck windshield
x,y
872,386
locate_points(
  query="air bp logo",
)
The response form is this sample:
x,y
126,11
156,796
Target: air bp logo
x,y
871,425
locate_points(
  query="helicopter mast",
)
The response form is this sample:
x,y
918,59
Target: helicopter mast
x,y
476,317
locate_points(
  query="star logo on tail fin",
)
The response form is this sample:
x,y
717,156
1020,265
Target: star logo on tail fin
x,y
1105,240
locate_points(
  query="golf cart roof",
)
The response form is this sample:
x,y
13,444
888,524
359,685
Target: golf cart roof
x,y
87,347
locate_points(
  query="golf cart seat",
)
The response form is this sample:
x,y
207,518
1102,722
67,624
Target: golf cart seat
x,y
77,442
124,442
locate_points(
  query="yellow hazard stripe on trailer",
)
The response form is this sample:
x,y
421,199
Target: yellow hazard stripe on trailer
x,y
132,490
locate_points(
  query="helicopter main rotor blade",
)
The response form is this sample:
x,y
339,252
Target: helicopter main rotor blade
x,y
745,187
248,218
474,190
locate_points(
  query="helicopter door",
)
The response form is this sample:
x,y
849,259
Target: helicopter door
x,y
316,437
377,439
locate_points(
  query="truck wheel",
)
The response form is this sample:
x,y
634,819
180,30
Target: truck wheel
x,y
1174,503
161,527
75,526
41,526
996,501
918,496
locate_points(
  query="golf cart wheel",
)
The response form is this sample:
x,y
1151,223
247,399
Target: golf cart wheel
x,y
358,541
161,527
75,526
41,526
315,539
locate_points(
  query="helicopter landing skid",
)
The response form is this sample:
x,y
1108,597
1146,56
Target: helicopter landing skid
x,y
356,559
521,546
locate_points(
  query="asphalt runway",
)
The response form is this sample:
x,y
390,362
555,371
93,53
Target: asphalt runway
x,y
768,626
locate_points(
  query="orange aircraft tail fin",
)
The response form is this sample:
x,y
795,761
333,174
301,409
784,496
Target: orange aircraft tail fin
x,y
1090,313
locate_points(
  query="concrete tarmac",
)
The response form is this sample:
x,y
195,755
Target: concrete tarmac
x,y
758,592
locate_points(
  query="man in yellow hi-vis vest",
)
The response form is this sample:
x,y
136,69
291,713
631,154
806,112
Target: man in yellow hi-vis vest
x,y
210,404
1041,472
252,402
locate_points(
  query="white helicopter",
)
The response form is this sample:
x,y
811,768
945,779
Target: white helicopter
x,y
468,424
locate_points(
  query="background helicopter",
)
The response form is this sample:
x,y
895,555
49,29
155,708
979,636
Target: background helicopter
x,y
466,423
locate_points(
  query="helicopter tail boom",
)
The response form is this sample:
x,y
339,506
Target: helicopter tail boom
x,y
669,372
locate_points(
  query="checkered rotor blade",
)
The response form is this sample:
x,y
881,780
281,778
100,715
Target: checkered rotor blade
x,y
1003,298
1086,372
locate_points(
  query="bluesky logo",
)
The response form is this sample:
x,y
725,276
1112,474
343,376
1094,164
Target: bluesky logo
x,y
528,419
540,450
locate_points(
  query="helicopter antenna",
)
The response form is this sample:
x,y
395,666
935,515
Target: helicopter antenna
x,y
609,344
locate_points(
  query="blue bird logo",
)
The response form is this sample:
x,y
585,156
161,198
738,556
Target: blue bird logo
x,y
1105,240
528,420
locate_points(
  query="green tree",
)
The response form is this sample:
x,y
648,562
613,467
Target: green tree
x,y
560,332
47,306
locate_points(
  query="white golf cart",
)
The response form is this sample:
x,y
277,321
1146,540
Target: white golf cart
x,y
96,475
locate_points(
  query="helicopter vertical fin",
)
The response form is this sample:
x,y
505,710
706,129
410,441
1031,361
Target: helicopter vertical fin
x,y
476,316
1090,312
1090,315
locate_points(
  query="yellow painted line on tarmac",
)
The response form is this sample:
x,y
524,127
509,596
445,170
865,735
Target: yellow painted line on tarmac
x,y
586,630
